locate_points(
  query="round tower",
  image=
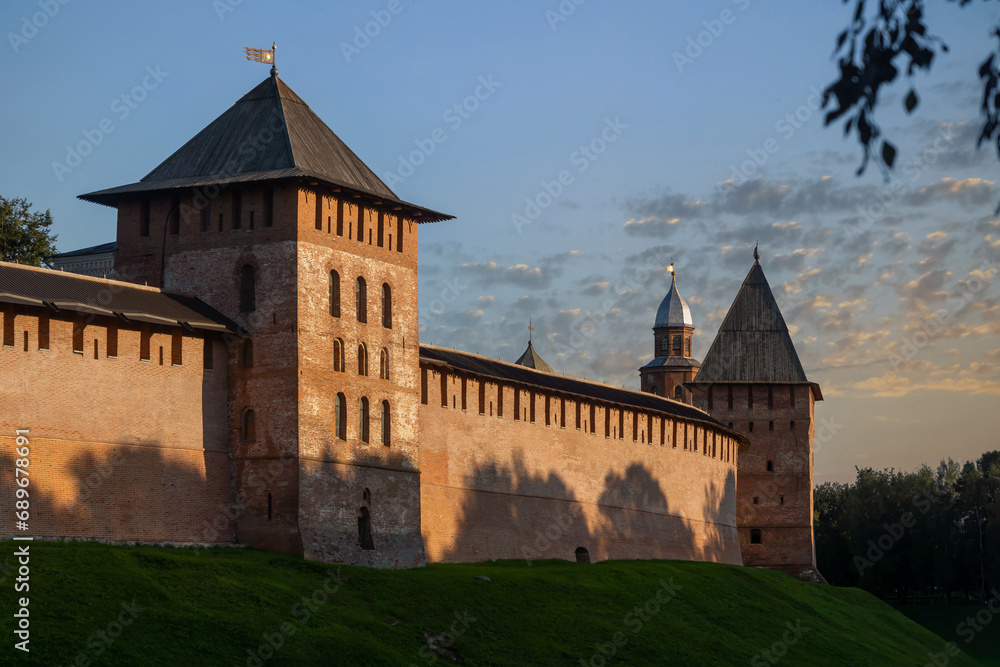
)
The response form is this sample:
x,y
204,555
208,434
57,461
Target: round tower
x,y
672,364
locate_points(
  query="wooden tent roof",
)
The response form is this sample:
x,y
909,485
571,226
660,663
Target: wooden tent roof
x,y
269,134
753,344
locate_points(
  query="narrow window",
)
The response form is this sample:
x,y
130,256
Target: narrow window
x,y
444,389
464,388
678,392
145,335
687,346
362,360
750,427
663,431
677,345
338,355
755,536
246,354
381,228
621,424
363,425
635,426
208,354
547,420
675,435
176,344
248,289
144,217
649,427
361,299
361,223
593,418
399,234
268,206
756,500
78,326
582,555
206,217
791,426
386,306
664,344
531,404
268,505
423,386
499,400
319,212
249,429
340,218
517,404
365,538
43,331
607,422
781,500
237,202
175,215
770,466
562,413
96,355
251,218
385,423
577,415
340,416
383,364
334,294
770,426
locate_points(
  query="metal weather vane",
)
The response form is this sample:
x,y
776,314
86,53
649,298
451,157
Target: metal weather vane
x,y
262,56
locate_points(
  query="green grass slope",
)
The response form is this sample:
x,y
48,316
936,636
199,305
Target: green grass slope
x,y
970,625
223,607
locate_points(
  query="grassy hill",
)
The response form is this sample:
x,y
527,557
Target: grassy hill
x,y
224,606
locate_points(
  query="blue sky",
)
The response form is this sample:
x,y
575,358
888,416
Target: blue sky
x,y
896,312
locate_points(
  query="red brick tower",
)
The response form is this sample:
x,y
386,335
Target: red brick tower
x,y
270,218
673,365
752,380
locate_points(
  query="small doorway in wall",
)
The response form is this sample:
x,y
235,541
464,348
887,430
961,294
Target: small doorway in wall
x,y
365,530
582,555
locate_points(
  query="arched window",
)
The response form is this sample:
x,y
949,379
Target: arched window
x,y
677,344
365,539
247,357
386,439
363,420
770,466
755,536
687,346
338,356
361,299
366,497
362,359
248,431
248,290
664,344
386,306
334,294
678,392
582,555
340,416
383,364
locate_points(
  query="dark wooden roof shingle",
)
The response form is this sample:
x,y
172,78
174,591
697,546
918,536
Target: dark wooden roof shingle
x,y
753,344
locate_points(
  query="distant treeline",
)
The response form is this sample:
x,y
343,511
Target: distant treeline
x,y
928,532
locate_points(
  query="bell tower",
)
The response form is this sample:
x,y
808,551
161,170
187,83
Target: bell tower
x,y
672,365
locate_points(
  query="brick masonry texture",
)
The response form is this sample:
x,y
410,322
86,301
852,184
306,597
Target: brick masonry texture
x,y
126,449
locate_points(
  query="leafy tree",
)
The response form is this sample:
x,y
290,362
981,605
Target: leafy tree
x,y
25,236
872,50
